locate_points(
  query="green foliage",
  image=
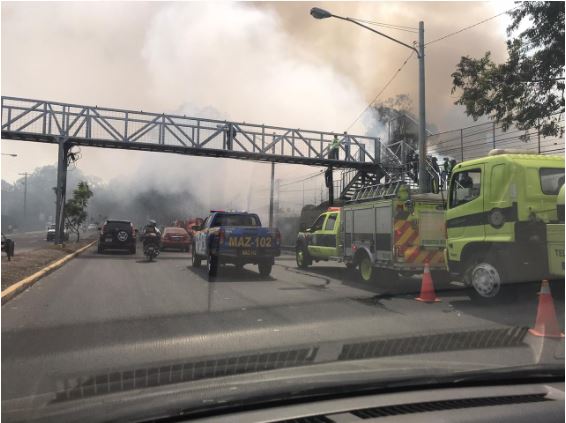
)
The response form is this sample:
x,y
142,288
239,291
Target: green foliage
x,y
528,89
75,208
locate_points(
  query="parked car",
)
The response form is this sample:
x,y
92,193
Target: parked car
x,y
51,233
117,235
175,237
92,227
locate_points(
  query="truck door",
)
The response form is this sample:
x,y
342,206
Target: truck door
x,y
317,236
465,217
326,238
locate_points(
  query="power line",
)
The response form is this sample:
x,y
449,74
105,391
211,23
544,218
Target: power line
x,y
468,27
381,92
302,180
389,26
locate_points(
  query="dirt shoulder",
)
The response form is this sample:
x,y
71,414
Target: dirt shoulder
x,y
27,263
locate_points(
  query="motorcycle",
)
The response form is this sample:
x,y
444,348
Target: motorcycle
x,y
150,246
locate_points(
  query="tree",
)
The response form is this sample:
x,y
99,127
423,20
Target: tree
x,y
75,208
528,89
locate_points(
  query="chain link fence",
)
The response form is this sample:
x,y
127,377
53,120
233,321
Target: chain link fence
x,y
476,141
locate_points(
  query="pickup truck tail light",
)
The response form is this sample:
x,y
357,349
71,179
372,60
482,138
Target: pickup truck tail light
x,y
221,236
277,237
104,228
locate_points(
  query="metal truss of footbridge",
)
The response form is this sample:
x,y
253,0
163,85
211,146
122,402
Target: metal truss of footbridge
x,y
69,125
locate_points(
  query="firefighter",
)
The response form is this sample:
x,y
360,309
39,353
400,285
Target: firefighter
x,y
445,172
434,180
334,148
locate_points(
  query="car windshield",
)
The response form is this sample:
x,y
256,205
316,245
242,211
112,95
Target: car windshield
x,y
213,205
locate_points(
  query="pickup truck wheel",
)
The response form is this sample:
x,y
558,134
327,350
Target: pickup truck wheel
x,y
265,269
212,266
366,270
302,257
485,278
195,260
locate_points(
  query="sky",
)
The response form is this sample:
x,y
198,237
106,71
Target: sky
x,y
262,62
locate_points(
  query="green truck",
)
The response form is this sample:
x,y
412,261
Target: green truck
x,y
505,221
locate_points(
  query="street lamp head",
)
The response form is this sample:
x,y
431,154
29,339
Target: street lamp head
x,y
319,13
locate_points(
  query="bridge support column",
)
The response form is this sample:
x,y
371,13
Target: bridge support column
x,y
328,178
61,190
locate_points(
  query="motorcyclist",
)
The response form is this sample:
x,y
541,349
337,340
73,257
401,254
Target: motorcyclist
x,y
151,228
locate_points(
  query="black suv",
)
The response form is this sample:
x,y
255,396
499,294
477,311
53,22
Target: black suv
x,y
117,234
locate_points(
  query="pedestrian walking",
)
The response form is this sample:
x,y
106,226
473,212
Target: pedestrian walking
x,y
347,144
333,154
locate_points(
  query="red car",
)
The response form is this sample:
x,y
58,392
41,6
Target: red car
x,y
174,237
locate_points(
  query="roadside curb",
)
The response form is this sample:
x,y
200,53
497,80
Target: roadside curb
x,y
25,283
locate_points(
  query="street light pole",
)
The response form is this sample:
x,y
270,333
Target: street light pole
x,y
318,13
423,175
25,174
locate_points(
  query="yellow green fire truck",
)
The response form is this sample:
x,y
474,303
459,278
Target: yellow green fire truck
x,y
380,237
505,221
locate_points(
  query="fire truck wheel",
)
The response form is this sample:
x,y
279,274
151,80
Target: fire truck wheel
x,y
303,258
486,280
366,270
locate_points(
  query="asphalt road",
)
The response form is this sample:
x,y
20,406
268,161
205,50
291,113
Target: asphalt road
x,y
113,310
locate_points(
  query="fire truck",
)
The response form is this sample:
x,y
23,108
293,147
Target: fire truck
x,y
505,221
502,223
384,232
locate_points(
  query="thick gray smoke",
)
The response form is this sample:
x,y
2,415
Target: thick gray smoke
x,y
262,63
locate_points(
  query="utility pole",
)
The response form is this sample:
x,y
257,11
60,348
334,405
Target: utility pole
x,y
25,174
271,195
423,179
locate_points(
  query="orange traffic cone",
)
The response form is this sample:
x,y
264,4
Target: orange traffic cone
x,y
546,324
427,288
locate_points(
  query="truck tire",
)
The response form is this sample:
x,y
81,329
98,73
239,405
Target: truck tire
x,y
485,278
302,257
265,269
366,271
212,263
195,260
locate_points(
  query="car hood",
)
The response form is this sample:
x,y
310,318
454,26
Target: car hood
x,y
90,363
